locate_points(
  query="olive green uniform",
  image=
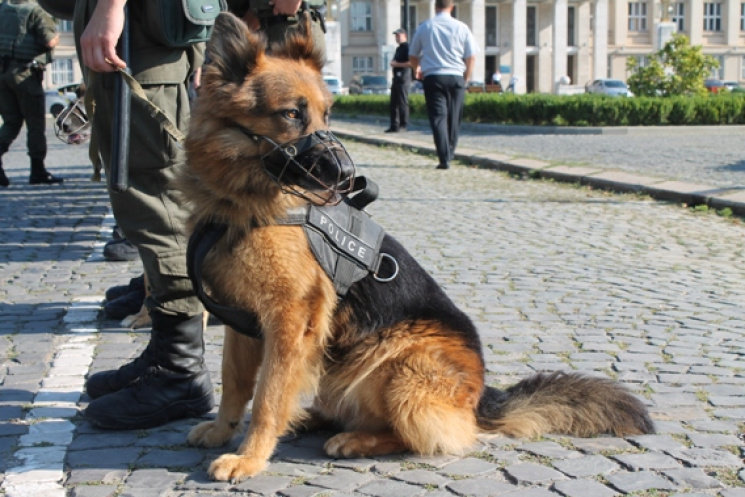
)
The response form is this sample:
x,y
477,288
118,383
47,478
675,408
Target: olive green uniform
x,y
149,212
25,33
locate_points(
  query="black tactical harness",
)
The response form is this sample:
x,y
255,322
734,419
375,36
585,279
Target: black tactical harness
x,y
343,238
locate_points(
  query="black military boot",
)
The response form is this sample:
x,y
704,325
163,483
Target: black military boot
x,y
40,175
105,382
175,385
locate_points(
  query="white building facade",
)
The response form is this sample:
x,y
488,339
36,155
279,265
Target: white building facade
x,y
543,42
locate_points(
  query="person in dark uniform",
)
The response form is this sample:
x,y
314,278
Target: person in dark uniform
x,y
27,37
401,83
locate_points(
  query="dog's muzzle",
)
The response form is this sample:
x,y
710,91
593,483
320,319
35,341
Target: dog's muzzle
x,y
315,167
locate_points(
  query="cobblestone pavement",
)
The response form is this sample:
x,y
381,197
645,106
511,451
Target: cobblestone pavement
x,y
555,277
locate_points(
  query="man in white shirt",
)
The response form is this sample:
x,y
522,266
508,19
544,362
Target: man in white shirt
x,y
443,51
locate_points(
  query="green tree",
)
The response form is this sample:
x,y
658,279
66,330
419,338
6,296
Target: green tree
x,y
677,69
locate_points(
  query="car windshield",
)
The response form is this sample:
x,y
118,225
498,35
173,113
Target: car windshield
x,y
374,81
331,81
614,83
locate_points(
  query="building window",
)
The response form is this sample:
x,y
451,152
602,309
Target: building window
x,y
712,16
642,60
637,16
361,16
412,20
571,41
491,23
531,26
679,16
742,70
742,16
362,64
62,72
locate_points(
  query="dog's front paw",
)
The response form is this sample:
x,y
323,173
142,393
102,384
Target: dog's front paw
x,y
234,468
210,434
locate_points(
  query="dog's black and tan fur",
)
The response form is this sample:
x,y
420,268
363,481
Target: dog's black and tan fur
x,y
396,365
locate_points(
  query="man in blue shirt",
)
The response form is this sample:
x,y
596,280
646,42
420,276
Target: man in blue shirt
x,y
443,51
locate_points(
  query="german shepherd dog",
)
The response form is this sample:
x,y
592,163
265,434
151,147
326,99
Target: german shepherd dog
x,y
394,366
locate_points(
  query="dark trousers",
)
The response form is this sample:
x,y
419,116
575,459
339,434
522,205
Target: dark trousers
x,y
22,99
399,104
445,95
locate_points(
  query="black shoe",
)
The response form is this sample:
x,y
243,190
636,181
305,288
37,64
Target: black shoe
x,y
106,382
120,250
443,165
4,181
123,306
45,178
135,285
391,130
175,386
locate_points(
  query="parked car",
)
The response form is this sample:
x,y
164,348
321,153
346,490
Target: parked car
x,y
335,85
55,101
416,87
370,84
715,85
733,86
612,87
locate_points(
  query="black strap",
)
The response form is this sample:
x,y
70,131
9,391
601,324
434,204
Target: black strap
x,y
367,191
200,243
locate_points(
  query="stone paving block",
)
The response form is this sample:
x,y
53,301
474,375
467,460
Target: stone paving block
x,y
532,473
711,440
549,449
601,444
94,491
692,477
583,488
304,491
480,487
469,466
390,488
187,458
638,481
95,476
421,477
656,442
586,466
732,492
703,457
341,479
264,484
103,458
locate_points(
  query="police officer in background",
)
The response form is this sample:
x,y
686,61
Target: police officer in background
x,y
27,37
169,379
400,85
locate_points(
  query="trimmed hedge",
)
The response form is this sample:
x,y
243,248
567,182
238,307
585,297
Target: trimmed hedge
x,y
571,110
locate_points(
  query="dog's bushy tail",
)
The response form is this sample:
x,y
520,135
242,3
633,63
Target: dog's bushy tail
x,y
568,403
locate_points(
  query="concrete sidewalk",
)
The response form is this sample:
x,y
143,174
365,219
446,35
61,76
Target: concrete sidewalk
x,y
555,277
479,145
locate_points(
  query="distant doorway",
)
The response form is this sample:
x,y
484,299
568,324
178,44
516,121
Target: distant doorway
x,y
530,73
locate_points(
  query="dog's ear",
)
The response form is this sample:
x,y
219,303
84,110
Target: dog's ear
x,y
300,45
233,49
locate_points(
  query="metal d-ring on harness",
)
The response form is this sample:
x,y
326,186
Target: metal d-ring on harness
x,y
344,239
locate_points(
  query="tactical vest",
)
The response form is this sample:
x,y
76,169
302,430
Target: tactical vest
x,y
16,42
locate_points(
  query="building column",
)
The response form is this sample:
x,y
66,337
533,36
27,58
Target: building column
x,y
478,28
600,40
519,43
559,62
697,21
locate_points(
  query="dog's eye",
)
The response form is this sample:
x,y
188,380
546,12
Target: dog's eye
x,y
291,114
